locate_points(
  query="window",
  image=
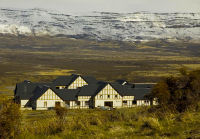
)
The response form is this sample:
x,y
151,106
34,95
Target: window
x,y
57,104
101,96
77,103
124,102
86,103
67,103
45,104
108,96
146,101
116,96
134,102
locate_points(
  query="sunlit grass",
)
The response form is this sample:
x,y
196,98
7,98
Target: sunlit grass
x,y
192,66
120,123
56,72
44,58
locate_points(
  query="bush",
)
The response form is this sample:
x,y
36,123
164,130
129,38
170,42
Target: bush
x,y
179,93
10,119
61,117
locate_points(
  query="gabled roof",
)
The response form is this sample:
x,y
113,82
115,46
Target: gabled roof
x,y
25,90
122,82
67,80
66,94
62,81
92,89
89,79
144,85
39,91
140,93
123,90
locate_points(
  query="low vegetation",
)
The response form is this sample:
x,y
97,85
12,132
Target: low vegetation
x,y
42,59
119,123
179,93
177,116
10,118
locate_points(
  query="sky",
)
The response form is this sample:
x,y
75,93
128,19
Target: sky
x,y
125,6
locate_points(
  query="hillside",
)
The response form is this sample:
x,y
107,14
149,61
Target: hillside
x,y
141,26
45,58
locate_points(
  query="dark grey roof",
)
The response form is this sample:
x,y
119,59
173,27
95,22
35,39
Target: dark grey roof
x,y
89,79
39,91
123,90
66,94
25,90
67,80
121,81
140,93
62,81
124,82
92,89
145,85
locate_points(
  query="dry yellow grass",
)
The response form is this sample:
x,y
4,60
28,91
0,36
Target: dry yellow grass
x,y
188,66
56,72
192,66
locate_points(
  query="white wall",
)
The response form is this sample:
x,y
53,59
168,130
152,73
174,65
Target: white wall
x,y
116,103
23,103
50,98
79,82
102,97
50,103
143,103
83,100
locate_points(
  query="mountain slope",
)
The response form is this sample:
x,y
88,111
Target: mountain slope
x,y
101,26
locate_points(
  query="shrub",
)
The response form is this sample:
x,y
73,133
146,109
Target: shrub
x,y
178,93
151,123
61,117
10,119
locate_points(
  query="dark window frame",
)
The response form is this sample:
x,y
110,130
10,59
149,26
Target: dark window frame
x,y
134,102
87,103
125,102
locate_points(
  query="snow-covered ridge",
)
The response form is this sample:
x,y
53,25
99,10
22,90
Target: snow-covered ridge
x,y
101,25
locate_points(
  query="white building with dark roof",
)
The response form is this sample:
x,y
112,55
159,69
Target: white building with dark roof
x,y
78,91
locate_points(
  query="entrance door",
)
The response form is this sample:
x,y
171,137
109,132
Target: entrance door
x,y
57,104
108,103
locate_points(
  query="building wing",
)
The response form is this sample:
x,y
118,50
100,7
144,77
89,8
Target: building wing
x,y
67,94
73,82
25,90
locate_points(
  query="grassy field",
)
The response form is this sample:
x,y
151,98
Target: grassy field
x,y
44,58
120,123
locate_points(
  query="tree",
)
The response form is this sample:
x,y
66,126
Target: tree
x,y
161,92
181,92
